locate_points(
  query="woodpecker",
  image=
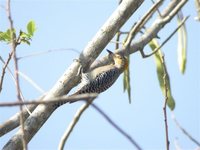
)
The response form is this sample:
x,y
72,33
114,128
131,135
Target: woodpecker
x,y
100,79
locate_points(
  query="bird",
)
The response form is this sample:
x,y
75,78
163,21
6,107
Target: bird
x,y
101,78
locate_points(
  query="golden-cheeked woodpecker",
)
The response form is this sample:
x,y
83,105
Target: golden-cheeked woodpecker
x,y
100,79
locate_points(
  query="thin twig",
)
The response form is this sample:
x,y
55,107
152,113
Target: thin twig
x,y
68,80
165,41
13,78
117,40
25,77
13,46
157,9
73,123
184,131
15,140
48,51
137,27
112,123
165,101
14,121
4,69
138,45
28,79
123,32
50,101
118,33
108,119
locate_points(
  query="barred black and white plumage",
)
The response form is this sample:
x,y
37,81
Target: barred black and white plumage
x,y
101,78
100,83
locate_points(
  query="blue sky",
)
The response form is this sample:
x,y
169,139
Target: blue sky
x,y
72,24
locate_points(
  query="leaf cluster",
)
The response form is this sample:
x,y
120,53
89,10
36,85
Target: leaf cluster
x,y
23,37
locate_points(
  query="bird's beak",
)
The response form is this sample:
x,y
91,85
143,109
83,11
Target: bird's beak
x,y
110,53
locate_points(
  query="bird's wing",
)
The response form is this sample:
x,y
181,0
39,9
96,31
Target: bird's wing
x,y
100,83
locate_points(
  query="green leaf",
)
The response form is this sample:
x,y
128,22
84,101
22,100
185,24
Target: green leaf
x,y
31,27
24,36
25,41
7,36
10,32
2,36
160,73
182,44
126,82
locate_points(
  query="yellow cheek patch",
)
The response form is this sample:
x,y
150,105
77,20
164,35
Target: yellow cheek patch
x,y
118,61
122,63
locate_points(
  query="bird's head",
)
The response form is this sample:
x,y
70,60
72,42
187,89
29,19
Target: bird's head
x,y
120,61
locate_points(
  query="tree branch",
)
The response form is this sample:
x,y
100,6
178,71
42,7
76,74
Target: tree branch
x,y
120,130
166,99
54,100
184,131
137,45
72,124
136,28
165,41
108,119
13,47
70,79
14,121
4,69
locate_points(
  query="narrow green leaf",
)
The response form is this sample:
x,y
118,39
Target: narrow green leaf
x,y
182,44
160,73
126,82
31,27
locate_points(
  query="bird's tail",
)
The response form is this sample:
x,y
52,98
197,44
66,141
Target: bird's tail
x,y
60,103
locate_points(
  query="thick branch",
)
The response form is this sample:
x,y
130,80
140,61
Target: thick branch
x,y
135,46
69,79
167,15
